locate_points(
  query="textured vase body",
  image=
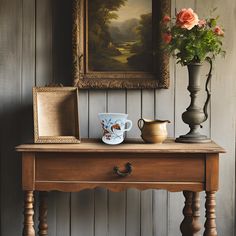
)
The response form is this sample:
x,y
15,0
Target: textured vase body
x,y
194,115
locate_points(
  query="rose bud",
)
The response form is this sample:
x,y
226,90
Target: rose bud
x,y
218,31
167,37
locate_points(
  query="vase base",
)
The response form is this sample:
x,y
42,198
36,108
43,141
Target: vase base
x,y
189,138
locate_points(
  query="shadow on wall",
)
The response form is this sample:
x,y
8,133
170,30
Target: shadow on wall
x,y
16,127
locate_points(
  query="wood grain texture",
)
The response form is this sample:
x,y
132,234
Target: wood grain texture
x,y
28,171
186,224
46,34
65,186
28,68
28,229
151,167
101,213
212,167
43,212
210,224
131,145
61,42
196,223
133,216
10,111
44,43
82,215
97,104
133,108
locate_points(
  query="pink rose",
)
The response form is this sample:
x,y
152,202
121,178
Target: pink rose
x,y
187,19
218,31
166,19
167,37
202,23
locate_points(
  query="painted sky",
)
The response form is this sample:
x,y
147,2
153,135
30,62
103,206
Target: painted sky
x,y
133,9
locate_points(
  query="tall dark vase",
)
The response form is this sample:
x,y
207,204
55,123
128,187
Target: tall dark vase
x,y
195,115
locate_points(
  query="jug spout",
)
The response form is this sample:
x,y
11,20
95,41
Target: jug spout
x,y
164,121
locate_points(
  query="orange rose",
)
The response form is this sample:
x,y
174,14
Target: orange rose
x,y
218,31
167,37
187,19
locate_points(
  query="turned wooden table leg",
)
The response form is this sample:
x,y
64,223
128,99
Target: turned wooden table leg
x,y
196,225
43,211
29,214
210,224
185,226
191,226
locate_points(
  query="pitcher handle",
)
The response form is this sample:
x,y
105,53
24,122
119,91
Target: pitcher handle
x,y
207,89
141,123
130,126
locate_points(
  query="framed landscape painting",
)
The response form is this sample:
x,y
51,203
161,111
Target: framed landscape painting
x,y
117,44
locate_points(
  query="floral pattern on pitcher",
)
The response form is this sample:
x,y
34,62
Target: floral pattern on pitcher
x,y
113,126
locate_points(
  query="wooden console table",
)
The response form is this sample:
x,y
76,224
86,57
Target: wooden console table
x,y
190,168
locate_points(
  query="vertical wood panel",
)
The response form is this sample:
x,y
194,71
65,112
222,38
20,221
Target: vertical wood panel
x,y
134,109
28,68
117,201
62,38
45,74
133,217
223,117
10,97
84,114
100,195
62,71
44,40
97,104
82,215
101,212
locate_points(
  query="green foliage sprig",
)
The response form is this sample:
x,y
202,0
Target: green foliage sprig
x,y
192,40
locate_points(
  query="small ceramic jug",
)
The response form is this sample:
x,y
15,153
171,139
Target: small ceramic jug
x,y
153,131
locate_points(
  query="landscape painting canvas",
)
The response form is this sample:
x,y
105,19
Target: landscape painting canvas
x,y
120,35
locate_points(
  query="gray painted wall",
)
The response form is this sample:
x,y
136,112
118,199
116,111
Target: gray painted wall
x,y
35,49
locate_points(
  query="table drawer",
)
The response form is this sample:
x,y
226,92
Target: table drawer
x,y
99,167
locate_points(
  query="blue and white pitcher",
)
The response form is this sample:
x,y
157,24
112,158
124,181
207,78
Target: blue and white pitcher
x,y
113,125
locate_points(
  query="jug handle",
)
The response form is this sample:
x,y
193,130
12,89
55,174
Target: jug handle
x,y
207,89
141,123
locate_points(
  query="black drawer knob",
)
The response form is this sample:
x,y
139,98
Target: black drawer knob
x,y
128,170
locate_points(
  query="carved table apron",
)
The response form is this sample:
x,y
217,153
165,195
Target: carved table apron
x,y
175,167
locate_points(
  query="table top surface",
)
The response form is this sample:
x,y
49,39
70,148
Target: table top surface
x,y
129,146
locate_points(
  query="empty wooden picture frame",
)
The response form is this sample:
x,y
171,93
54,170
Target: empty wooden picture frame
x,y
56,117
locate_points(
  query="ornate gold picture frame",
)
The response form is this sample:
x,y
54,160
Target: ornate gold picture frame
x,y
56,115
86,78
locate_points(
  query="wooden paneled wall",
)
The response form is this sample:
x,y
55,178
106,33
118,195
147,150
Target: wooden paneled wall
x,y
35,49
